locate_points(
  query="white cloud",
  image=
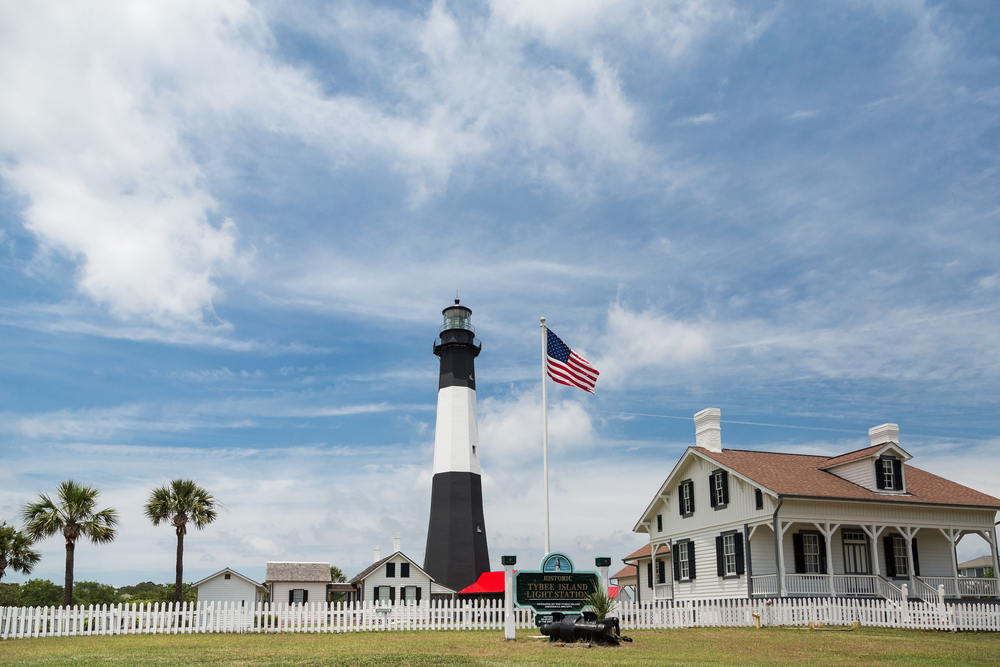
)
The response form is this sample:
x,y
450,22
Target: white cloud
x,y
638,343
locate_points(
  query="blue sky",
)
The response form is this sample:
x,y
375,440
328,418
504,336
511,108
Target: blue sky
x,y
228,229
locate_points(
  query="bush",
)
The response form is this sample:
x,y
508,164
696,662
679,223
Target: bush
x,y
41,593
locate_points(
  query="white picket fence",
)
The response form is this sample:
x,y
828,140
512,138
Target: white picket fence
x,y
208,617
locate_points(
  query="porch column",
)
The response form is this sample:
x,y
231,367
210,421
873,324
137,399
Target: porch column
x,y
953,540
908,535
779,544
996,558
828,534
652,552
873,535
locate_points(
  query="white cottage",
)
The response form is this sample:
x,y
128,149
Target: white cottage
x,y
228,585
297,583
761,524
396,578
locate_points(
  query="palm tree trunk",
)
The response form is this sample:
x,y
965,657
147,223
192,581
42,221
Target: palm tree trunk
x,y
180,565
68,584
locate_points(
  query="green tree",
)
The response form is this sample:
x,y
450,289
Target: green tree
x,y
15,551
73,513
88,593
179,503
336,576
10,595
41,593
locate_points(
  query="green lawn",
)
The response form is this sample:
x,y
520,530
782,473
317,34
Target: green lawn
x,y
730,647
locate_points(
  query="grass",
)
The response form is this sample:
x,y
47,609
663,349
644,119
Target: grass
x,y
731,647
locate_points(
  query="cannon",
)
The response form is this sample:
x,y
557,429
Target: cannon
x,y
586,627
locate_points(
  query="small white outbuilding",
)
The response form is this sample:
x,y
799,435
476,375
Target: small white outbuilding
x,y
228,585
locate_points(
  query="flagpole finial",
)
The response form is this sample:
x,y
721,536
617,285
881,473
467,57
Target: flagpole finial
x,y
543,321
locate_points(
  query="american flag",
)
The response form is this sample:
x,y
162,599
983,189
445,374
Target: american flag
x,y
567,367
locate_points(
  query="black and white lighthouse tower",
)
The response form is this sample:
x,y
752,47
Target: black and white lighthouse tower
x,y
457,552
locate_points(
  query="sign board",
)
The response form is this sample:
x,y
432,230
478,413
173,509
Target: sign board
x,y
555,586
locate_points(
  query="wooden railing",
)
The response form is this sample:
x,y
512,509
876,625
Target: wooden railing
x,y
765,585
663,591
855,584
807,584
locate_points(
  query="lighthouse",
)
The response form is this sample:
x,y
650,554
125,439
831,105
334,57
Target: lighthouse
x,y
456,552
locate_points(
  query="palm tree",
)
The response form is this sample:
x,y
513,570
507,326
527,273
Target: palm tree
x,y
71,512
178,503
16,551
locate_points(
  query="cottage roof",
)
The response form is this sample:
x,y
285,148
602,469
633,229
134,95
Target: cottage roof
x,y
361,576
625,572
644,552
982,561
803,475
856,455
298,572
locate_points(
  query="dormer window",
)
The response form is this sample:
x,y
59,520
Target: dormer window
x,y
889,473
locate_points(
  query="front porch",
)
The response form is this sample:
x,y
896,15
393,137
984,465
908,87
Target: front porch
x,y
809,558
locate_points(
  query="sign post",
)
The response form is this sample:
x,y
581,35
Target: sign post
x,y
508,596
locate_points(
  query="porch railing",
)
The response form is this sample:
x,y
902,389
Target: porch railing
x,y
968,586
888,591
663,591
924,592
765,585
807,584
854,584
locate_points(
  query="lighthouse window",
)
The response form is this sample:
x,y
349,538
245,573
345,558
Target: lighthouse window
x,y
473,450
479,528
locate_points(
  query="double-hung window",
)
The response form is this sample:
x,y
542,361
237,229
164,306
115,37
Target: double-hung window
x,y
729,554
899,556
683,560
897,562
718,489
810,552
685,498
888,473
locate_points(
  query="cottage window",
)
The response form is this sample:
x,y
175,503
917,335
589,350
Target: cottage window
x,y
385,594
390,569
404,570
810,550
410,594
899,556
686,498
298,596
227,576
718,489
810,553
758,496
684,563
659,523
889,473
729,554
661,572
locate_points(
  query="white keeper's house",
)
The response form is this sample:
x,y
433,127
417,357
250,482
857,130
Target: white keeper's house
x,y
743,524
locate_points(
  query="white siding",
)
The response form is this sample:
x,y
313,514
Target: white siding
x,y
762,551
235,590
861,472
378,578
279,590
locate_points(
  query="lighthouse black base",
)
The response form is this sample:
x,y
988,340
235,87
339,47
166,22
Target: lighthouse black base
x,y
457,552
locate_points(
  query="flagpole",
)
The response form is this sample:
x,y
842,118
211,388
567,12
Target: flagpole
x,y
545,428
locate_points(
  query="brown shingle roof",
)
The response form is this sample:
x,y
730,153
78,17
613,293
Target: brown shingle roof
x,y
645,551
298,572
625,572
853,456
801,475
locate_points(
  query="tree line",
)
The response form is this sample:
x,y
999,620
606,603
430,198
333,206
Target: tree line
x,y
72,512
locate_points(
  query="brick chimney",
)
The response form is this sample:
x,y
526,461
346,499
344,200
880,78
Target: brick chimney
x,y
708,429
397,542
884,433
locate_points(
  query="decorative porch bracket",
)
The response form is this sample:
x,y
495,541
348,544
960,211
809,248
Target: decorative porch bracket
x,y
953,535
827,530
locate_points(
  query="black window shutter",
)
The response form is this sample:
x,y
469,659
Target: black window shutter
x,y
711,490
725,487
659,523
897,474
649,574
740,565
404,569
676,561
720,559
291,596
691,489
879,475
890,556
800,553
680,498
691,558
390,569
916,559
418,594
822,554
305,596
759,497
392,594
375,588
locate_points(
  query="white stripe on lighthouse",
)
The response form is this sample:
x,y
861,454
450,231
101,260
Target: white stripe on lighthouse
x,y
456,434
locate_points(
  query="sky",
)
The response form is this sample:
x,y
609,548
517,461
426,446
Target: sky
x,y
228,229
